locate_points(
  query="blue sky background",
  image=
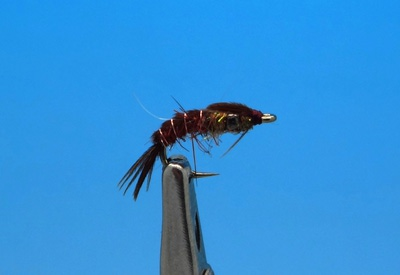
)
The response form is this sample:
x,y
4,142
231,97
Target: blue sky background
x,y
317,192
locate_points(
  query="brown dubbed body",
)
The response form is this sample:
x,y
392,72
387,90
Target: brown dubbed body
x,y
211,122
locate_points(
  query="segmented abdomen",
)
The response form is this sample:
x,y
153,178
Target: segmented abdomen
x,y
191,123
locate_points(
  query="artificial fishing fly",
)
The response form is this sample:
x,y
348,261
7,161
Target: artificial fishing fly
x,y
210,123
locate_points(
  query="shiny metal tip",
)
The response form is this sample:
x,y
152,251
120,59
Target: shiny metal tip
x,y
196,174
268,118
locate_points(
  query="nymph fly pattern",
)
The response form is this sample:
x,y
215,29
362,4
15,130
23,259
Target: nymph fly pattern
x,y
211,122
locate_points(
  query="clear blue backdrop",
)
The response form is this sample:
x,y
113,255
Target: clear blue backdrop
x,y
317,192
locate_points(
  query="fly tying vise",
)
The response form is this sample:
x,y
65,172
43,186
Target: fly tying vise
x,y
211,122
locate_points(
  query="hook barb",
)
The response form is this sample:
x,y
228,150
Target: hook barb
x,y
197,175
